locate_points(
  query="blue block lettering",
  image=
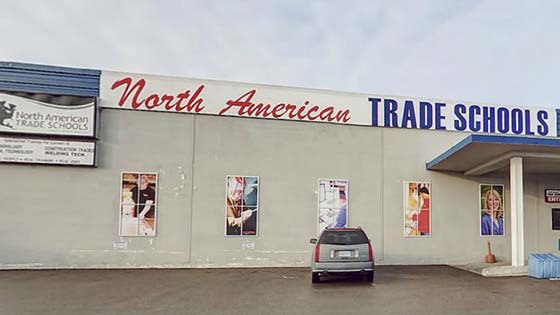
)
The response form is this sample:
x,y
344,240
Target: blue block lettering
x,y
488,119
460,121
542,128
409,115
516,121
439,116
503,120
426,112
528,130
390,112
374,111
474,124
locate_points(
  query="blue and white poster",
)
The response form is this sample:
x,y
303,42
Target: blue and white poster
x,y
491,210
333,204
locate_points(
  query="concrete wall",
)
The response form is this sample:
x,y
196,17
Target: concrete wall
x,y
455,215
289,158
68,217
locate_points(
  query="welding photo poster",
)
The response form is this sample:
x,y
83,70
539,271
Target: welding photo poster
x,y
138,204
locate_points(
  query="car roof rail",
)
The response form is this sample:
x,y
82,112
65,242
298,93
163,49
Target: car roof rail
x,y
343,228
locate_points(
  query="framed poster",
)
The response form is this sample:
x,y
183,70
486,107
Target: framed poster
x,y
138,204
491,210
242,205
417,209
333,204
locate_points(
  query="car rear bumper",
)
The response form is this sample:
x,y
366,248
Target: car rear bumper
x,y
334,267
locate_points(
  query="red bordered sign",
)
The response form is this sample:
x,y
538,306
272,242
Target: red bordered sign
x,y
552,195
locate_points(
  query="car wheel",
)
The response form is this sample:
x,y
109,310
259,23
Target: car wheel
x,y
315,278
369,276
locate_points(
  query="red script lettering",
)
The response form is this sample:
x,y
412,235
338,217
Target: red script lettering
x,y
246,108
133,90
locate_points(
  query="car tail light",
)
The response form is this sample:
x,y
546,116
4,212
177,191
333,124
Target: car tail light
x,y
317,252
370,251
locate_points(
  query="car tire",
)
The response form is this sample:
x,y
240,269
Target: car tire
x,y
315,278
369,276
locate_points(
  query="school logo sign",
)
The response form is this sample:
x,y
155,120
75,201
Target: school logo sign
x,y
6,114
76,117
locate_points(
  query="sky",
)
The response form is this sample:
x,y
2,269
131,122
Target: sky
x,y
494,52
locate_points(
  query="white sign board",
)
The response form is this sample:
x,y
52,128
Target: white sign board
x,y
181,95
42,151
25,115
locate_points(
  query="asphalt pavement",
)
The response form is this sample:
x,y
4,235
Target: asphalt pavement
x,y
396,290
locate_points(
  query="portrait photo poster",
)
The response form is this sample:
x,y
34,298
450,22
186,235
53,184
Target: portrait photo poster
x,y
138,204
417,209
242,205
492,210
333,204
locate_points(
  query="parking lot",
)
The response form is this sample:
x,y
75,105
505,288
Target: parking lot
x,y
397,290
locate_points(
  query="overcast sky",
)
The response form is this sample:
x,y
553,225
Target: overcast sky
x,y
504,52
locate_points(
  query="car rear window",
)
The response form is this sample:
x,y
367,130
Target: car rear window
x,y
343,237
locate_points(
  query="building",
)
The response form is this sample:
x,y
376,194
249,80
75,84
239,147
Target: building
x,y
118,170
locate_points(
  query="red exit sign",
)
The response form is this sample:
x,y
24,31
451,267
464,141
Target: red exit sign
x,y
552,195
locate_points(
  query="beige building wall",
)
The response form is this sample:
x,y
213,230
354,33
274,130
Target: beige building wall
x,y
67,217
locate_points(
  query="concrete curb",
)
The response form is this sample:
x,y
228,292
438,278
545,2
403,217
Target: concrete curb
x,y
505,271
500,269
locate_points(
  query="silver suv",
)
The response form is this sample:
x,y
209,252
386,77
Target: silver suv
x,y
342,250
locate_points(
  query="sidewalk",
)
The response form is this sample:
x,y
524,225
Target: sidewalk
x,y
498,269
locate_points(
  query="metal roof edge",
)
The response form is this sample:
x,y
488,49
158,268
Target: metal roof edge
x,y
34,78
48,68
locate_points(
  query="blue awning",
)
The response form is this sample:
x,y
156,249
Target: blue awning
x,y
481,154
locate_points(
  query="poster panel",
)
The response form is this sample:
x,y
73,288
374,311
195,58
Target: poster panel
x,y
242,205
417,209
47,114
491,210
138,205
333,204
